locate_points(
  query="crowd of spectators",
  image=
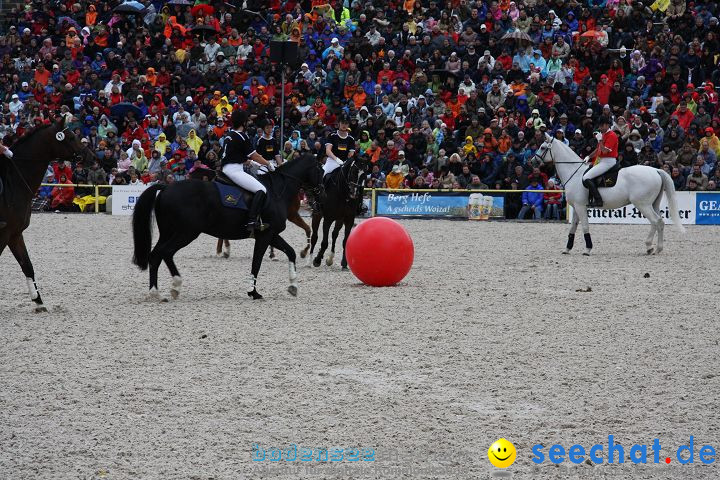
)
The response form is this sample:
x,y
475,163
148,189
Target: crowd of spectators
x,y
438,97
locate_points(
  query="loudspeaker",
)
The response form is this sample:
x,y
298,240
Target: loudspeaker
x,y
285,53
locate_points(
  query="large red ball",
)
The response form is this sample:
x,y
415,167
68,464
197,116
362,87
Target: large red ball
x,y
380,252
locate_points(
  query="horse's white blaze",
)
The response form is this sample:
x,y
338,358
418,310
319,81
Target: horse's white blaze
x,y
32,288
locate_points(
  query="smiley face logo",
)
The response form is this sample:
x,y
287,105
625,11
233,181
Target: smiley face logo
x,y
502,453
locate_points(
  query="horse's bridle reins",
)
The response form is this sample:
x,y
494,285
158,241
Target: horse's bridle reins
x,y
548,148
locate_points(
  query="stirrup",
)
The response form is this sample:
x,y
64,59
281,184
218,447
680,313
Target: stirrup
x,y
257,225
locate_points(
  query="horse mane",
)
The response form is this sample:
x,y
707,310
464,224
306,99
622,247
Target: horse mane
x,y
25,138
566,148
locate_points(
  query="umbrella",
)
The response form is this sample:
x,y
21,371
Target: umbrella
x,y
131,7
180,2
592,35
201,172
121,109
517,35
203,30
202,10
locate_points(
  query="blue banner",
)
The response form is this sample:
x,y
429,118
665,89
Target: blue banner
x,y
707,208
430,204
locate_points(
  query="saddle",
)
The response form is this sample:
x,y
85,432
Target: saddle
x,y
231,195
607,179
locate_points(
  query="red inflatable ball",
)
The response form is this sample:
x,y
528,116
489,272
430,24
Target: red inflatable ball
x,y
379,252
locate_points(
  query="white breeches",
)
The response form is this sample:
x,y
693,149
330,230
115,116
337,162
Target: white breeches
x,y
603,165
330,165
243,179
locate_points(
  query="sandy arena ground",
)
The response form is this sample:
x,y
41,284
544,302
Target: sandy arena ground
x,y
487,337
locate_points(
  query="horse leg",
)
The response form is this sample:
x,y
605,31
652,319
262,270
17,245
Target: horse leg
x,y
283,246
219,250
661,224
583,219
272,253
19,250
313,239
571,234
349,224
324,244
177,242
655,221
262,242
154,265
298,220
335,233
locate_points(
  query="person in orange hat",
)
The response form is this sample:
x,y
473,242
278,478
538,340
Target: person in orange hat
x,y
215,100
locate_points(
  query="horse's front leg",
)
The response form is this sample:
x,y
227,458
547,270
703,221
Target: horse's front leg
x,y
19,250
335,233
262,242
573,228
314,237
324,243
349,224
280,243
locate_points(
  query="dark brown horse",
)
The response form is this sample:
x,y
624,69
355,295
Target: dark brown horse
x,y
23,174
293,216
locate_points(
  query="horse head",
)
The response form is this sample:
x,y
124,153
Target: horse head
x,y
65,145
544,152
354,172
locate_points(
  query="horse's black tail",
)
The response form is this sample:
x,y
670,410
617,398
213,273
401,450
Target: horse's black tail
x,y
142,233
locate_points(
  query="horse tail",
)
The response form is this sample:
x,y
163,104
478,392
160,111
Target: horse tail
x,y
669,188
141,222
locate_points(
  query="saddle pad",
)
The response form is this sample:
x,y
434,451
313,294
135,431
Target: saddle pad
x,y
231,196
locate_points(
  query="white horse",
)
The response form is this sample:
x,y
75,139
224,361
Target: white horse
x,y
640,185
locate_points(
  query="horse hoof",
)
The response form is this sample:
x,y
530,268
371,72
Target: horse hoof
x,y
292,290
41,309
272,256
226,255
586,254
316,262
329,261
174,293
566,252
650,251
254,295
303,254
344,268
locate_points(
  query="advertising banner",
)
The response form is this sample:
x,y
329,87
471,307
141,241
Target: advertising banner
x,y
432,203
124,198
707,208
630,214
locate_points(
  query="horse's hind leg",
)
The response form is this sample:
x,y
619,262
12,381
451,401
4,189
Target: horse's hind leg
x,y
219,249
283,246
655,221
660,225
324,244
349,224
314,237
298,220
335,233
19,250
176,242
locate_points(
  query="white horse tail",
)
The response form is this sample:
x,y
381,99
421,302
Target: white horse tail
x,y
669,188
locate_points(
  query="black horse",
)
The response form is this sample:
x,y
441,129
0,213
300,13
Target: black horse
x,y
339,205
21,178
186,209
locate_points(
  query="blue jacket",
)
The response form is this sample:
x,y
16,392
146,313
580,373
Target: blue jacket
x,y
533,198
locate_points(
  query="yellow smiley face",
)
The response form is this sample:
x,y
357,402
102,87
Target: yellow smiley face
x,y
502,453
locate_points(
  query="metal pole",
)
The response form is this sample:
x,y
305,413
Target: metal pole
x,y
282,107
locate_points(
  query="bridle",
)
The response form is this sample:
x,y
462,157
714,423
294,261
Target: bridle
x,y
353,185
548,148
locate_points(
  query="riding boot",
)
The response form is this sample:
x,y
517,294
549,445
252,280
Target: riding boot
x,y
595,199
254,222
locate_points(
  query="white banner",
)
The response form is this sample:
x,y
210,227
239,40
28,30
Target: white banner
x,y
124,198
630,213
